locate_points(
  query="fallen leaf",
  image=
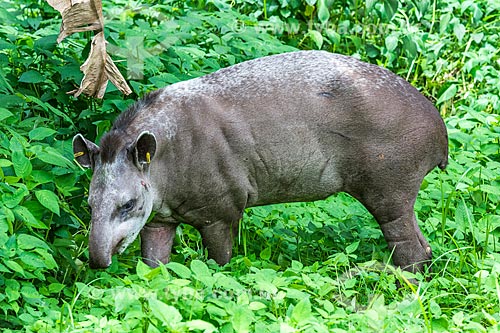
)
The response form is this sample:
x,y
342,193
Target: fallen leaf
x,y
78,16
98,69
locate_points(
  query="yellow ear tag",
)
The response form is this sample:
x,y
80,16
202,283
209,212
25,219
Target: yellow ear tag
x,y
80,153
148,157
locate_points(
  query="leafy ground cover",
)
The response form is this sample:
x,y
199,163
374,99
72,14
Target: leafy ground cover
x,y
312,267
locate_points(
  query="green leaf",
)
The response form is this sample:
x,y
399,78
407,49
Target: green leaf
x,y
323,12
49,200
22,165
52,156
199,268
333,36
316,37
391,42
142,270
28,242
5,163
31,77
490,189
56,287
352,247
29,291
11,200
200,325
42,177
266,253
202,273
448,94
4,114
167,314
459,31
390,8
23,214
40,133
242,319
14,266
179,269
302,311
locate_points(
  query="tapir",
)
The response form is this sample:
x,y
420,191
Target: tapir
x,y
298,126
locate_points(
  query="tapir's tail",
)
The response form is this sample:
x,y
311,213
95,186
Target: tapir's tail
x,y
442,165
444,159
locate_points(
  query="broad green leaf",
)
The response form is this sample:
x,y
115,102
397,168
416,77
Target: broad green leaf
x,y
242,319
200,325
42,177
23,214
391,42
302,311
28,291
391,7
11,200
323,12
490,189
459,31
202,273
12,286
179,269
4,225
28,242
4,114
352,247
52,156
370,4
56,287
5,163
142,270
167,314
124,299
448,94
333,36
256,306
41,133
266,253
14,266
22,165
316,37
31,77
199,268
49,200
444,22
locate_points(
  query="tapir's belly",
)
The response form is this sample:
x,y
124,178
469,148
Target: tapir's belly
x,y
292,163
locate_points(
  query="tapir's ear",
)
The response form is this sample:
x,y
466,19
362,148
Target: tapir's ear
x,y
144,149
84,151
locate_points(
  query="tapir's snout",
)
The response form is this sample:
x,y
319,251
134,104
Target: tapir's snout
x,y
99,262
101,249
99,256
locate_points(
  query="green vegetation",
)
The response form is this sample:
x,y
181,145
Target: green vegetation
x,y
311,267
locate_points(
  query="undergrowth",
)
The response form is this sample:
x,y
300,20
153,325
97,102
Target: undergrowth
x,y
313,267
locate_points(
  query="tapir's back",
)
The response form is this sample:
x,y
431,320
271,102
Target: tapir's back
x,y
309,87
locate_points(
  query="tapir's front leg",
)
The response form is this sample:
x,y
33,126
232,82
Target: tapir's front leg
x,y
156,242
218,240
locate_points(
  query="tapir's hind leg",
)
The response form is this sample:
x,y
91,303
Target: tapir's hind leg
x,y
156,242
392,205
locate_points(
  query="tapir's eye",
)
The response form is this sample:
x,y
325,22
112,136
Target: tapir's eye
x,y
128,206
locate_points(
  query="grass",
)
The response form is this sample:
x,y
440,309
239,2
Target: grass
x,y
310,267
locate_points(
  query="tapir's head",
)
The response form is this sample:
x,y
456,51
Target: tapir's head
x,y
120,195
